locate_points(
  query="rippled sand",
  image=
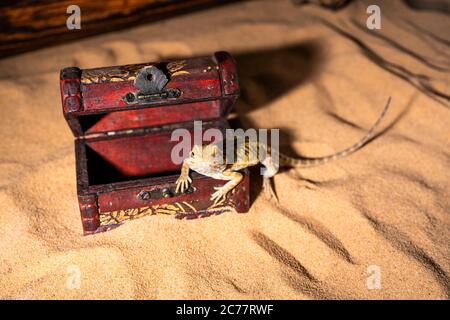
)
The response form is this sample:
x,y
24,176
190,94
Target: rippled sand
x,y
378,219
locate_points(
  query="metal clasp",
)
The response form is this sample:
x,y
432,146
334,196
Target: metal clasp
x,y
132,98
150,82
162,193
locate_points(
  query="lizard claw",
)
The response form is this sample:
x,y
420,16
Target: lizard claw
x,y
182,183
219,195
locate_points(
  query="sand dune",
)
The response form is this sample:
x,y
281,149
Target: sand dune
x,y
319,76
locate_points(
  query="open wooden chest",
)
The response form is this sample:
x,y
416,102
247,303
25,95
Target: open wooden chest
x,y
123,118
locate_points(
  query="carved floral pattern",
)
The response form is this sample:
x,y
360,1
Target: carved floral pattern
x,y
126,72
178,209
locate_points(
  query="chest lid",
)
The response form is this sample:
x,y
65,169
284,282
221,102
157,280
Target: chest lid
x,y
124,98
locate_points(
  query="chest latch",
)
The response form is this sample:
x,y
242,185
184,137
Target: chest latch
x,y
150,82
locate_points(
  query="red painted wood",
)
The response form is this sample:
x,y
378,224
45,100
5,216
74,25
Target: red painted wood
x,y
70,90
71,100
227,72
89,213
137,156
107,96
157,116
127,198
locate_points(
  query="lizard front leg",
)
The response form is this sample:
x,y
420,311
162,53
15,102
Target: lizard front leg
x,y
183,180
269,170
221,193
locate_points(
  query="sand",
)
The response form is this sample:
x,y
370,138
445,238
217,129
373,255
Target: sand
x,y
373,225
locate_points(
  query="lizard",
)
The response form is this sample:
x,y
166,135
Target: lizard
x,y
209,160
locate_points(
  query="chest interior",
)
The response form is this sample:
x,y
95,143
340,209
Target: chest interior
x,y
137,155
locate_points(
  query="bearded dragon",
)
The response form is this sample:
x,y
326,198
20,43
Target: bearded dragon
x,y
210,160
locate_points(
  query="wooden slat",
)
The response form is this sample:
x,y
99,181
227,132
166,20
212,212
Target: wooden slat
x,y
26,25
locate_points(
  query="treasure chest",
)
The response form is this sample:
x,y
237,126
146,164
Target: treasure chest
x,y
123,118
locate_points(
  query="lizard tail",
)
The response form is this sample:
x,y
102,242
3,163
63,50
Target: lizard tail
x,y
310,162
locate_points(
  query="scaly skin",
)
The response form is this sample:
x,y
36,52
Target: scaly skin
x,y
210,161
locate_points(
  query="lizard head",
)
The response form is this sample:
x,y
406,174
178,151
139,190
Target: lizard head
x,y
205,155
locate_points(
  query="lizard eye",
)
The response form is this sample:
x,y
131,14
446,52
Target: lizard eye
x,y
191,154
